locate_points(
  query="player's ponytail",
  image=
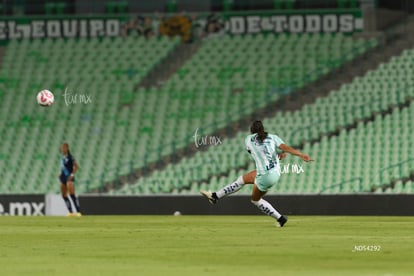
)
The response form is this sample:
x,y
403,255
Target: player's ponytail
x,y
257,127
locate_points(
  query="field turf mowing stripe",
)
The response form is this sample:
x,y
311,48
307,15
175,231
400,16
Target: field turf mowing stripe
x,y
206,245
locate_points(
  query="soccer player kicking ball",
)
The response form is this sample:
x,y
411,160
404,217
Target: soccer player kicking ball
x,y
262,147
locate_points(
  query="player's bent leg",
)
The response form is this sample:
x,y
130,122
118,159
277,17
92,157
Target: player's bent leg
x,y
225,191
257,194
75,200
71,187
249,177
212,197
64,192
231,188
265,206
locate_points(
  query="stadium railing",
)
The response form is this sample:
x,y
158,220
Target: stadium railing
x,y
385,174
342,184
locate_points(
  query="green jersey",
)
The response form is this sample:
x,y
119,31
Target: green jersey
x,y
264,153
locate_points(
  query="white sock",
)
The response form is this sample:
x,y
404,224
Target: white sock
x,y
267,208
231,188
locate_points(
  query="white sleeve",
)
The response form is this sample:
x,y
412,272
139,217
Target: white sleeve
x,y
277,140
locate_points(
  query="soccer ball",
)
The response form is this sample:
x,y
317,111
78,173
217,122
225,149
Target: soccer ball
x,y
45,98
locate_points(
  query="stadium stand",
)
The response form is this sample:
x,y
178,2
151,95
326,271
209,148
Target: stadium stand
x,y
94,68
352,155
118,127
359,154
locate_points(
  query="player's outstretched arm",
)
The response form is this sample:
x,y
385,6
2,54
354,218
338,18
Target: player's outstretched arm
x,y
296,152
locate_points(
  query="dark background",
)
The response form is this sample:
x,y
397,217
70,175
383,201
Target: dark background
x,y
355,204
37,7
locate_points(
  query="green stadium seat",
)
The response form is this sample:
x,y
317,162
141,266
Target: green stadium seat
x,y
352,154
229,76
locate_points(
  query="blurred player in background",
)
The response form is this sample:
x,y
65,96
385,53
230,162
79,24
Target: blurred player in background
x,y
69,166
262,146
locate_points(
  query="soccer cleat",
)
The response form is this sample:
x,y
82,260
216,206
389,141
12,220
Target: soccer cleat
x,y
210,196
70,215
78,214
281,221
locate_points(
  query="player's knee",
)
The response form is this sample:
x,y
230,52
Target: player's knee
x,y
255,202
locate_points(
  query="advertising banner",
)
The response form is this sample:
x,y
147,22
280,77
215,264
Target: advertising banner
x,y
55,206
188,27
22,205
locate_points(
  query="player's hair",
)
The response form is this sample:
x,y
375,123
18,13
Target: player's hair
x,y
257,127
67,144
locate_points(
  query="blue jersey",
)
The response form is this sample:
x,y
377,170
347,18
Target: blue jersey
x,y
67,162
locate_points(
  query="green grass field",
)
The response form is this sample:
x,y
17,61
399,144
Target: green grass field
x,y
206,245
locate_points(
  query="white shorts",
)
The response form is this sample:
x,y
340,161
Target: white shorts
x,y
265,181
